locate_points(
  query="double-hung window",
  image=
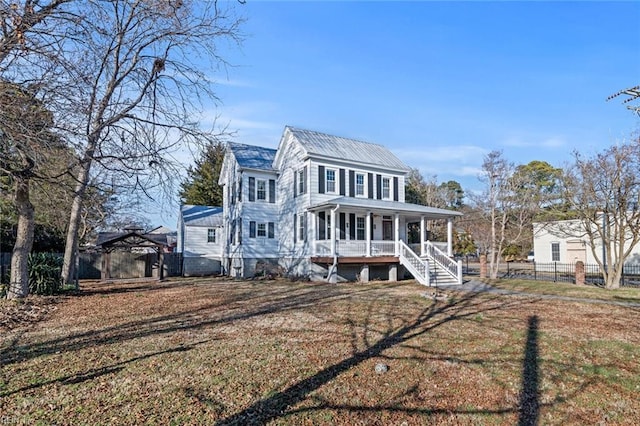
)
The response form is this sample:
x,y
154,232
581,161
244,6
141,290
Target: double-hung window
x,y
555,252
211,235
331,180
359,184
262,230
261,190
386,188
301,181
360,228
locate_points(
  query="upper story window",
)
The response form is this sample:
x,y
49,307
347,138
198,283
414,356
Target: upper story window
x,y
261,190
331,180
359,184
302,184
386,188
211,235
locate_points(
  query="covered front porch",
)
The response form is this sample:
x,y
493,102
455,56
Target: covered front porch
x,y
350,230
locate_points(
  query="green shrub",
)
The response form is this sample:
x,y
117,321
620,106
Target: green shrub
x,y
44,273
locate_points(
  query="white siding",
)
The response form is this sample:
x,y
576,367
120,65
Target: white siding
x,y
567,234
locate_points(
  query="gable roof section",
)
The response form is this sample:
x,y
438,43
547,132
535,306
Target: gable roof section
x,y
317,144
253,157
205,216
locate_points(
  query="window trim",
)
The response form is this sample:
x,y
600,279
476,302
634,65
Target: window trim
x,y
264,190
387,180
333,181
360,187
361,220
211,236
555,253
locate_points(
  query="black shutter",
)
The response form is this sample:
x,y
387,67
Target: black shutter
x,y
352,226
295,184
239,231
305,178
252,229
271,230
295,228
379,187
343,225
321,226
352,183
395,188
370,181
371,222
342,183
240,189
252,189
303,220
272,191
321,179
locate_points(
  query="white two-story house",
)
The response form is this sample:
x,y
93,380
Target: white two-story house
x,y
327,207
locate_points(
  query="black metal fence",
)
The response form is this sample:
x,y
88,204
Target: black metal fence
x,y
556,272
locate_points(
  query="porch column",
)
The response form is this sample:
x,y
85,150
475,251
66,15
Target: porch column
x,y
396,234
368,235
422,232
333,232
449,237
312,234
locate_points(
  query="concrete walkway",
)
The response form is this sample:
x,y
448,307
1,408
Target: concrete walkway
x,y
480,287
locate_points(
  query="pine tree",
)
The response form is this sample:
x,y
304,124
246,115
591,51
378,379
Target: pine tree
x,y
201,186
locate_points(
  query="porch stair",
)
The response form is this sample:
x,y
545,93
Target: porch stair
x,y
433,269
442,269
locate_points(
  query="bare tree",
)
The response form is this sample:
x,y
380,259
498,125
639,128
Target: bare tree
x,y
139,72
503,212
25,144
604,195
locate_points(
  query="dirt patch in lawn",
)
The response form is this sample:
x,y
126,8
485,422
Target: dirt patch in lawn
x,y
216,351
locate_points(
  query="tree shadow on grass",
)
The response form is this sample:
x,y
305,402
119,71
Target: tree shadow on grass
x,y
97,372
430,318
241,305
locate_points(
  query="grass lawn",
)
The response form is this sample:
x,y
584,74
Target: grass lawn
x,y
213,351
624,294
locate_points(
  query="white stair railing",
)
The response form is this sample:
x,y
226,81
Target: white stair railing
x,y
417,266
448,265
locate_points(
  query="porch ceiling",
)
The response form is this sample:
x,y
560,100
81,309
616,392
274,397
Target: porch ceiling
x,y
384,206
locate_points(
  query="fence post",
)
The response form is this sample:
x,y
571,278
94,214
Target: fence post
x,y
555,272
580,273
535,274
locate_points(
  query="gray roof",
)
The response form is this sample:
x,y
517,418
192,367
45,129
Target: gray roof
x,y
321,144
205,216
387,206
253,157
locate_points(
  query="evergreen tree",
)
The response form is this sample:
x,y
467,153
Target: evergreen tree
x,y
201,186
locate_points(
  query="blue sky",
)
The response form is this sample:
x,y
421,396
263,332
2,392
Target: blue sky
x,y
440,84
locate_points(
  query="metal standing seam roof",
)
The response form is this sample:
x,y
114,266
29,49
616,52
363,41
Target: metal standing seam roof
x,y
395,206
322,144
206,216
253,157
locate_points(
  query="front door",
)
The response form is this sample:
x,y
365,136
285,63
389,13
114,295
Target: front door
x,y
387,230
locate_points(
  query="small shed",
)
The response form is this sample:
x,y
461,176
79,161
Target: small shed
x,y
133,249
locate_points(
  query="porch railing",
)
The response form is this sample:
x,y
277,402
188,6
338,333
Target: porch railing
x,y
355,248
416,265
452,267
